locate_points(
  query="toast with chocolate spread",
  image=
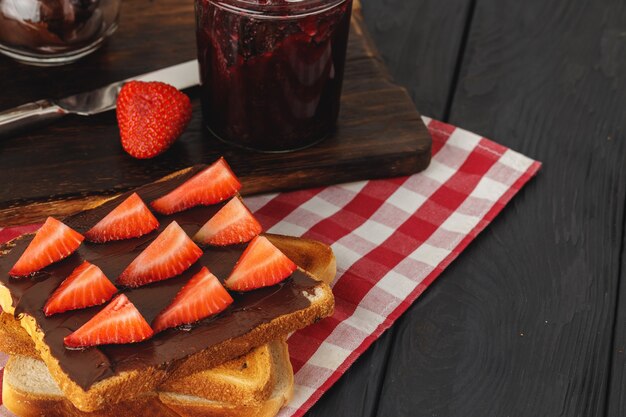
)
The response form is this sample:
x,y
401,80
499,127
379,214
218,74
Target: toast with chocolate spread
x,y
245,380
30,391
250,385
97,376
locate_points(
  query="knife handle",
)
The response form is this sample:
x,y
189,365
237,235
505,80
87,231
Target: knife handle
x,y
26,116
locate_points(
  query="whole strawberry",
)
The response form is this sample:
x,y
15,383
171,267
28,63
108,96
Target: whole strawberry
x,y
151,116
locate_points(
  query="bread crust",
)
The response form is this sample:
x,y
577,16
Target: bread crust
x,y
314,257
13,338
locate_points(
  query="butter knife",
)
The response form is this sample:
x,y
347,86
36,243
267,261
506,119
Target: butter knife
x,y
28,115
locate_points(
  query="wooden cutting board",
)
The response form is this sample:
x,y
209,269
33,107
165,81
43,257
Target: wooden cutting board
x,y
72,164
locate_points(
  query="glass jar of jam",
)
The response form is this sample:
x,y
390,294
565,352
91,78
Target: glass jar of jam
x,y
55,32
271,70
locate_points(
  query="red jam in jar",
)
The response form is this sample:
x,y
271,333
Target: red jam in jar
x,y
271,70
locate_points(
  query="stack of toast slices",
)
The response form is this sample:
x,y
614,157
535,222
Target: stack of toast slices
x,y
256,384
235,363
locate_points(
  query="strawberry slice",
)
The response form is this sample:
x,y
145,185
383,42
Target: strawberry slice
x,y
53,242
201,297
210,186
86,286
170,254
118,323
130,219
232,224
261,265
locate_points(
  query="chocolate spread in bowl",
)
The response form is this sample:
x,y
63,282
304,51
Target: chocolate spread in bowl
x,y
51,26
91,365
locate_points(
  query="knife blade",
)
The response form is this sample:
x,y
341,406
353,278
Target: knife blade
x,y
102,99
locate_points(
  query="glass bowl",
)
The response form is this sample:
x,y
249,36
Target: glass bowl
x,y
55,32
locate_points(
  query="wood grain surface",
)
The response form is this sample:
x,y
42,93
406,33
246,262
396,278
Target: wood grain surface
x,y
420,42
522,323
65,166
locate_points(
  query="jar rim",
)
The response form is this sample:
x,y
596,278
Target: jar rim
x,y
294,8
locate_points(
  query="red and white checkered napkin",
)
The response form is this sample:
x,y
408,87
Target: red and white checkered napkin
x,y
392,238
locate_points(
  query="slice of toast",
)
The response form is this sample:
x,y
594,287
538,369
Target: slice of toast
x,y
189,405
247,380
29,390
116,374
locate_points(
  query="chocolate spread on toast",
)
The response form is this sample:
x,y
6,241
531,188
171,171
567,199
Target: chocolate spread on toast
x,y
86,367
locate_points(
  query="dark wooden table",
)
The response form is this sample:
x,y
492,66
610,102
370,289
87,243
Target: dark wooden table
x,y
531,319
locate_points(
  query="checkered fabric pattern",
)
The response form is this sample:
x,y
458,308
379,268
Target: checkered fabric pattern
x,y
391,237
